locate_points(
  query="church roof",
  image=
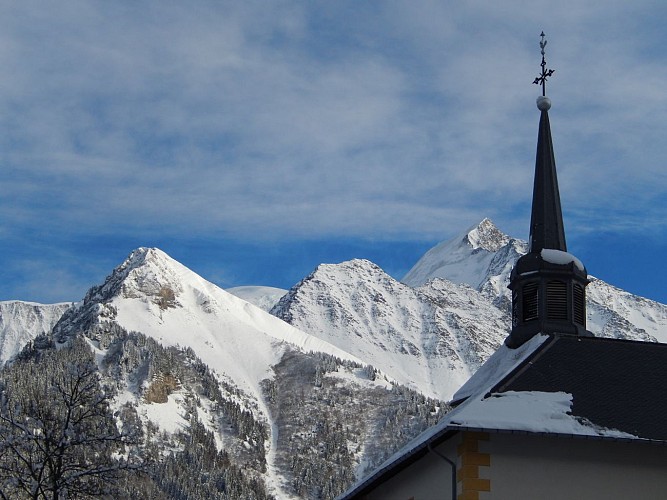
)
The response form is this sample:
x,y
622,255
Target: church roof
x,y
558,385
615,384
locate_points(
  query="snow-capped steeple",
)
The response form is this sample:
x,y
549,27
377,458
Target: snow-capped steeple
x,y
548,284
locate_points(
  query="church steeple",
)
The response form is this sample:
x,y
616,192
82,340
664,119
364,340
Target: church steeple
x,y
546,220
548,284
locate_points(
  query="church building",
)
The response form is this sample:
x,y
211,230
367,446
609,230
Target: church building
x,y
554,413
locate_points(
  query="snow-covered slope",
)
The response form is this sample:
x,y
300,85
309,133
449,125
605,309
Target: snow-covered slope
x,y
466,258
263,376
483,258
264,297
430,339
21,322
252,378
613,312
153,294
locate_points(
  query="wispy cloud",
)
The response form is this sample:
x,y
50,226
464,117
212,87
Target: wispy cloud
x,y
325,119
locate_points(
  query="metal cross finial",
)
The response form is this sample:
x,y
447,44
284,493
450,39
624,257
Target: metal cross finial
x,y
542,79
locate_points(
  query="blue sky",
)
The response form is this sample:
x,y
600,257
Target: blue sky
x,y
254,140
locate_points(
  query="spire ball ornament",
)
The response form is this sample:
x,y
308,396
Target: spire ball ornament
x,y
543,103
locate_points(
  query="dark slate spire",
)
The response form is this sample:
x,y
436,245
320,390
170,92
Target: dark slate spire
x,y
546,220
548,284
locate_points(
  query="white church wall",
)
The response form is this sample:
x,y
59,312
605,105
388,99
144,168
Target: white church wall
x,y
429,477
524,466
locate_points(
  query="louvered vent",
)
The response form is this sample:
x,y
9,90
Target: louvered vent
x,y
579,300
557,300
530,301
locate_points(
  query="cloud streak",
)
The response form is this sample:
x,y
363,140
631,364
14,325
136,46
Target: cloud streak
x,y
404,120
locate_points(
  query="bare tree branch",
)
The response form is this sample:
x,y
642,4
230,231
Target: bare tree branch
x,y
58,437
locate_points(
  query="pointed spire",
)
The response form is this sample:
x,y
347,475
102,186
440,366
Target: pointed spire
x,y
546,220
548,284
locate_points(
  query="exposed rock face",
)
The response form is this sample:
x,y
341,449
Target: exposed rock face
x,y
21,322
429,338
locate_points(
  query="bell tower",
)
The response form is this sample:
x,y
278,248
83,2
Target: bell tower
x,y
548,284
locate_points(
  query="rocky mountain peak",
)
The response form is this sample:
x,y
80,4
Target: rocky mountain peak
x,y
463,259
146,272
348,266
487,236
424,338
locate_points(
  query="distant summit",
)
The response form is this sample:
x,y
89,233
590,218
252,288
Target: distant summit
x,y
264,297
467,258
483,258
487,236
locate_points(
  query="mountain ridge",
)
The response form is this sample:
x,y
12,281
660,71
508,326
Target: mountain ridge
x,y
151,292
165,303
350,364
612,312
404,332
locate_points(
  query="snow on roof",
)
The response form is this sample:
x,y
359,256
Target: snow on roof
x,y
550,412
559,257
511,411
528,411
501,363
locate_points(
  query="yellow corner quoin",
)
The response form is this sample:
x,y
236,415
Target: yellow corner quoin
x,y
476,484
468,472
476,458
471,459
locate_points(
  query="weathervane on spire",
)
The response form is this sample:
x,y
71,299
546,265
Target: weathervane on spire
x,y
542,79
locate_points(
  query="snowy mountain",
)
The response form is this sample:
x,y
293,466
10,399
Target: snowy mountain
x,y
154,325
349,365
264,297
613,312
483,258
432,331
21,322
153,294
465,259
430,338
